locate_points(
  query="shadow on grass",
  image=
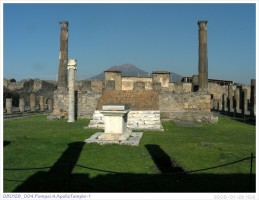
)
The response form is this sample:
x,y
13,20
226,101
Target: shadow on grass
x,y
6,143
60,178
240,117
162,160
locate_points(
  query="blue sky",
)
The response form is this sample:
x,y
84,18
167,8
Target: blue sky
x,y
149,36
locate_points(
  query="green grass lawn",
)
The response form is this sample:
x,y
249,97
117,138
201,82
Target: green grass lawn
x,y
50,156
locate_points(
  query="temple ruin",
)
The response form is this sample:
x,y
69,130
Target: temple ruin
x,y
150,98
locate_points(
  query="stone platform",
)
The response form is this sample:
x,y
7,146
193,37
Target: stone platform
x,y
133,139
137,120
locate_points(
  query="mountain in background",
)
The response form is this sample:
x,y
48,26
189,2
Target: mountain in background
x,y
131,70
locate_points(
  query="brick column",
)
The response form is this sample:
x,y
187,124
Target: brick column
x,y
203,55
71,90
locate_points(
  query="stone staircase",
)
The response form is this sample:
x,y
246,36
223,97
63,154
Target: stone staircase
x,y
137,99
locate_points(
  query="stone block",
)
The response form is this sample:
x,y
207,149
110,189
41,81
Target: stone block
x,y
116,107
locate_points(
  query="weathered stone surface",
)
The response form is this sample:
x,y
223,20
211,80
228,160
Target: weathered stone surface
x,y
137,120
203,56
162,77
172,102
114,76
137,100
116,107
41,102
32,101
110,85
63,55
9,105
198,116
139,86
71,89
21,105
115,123
133,139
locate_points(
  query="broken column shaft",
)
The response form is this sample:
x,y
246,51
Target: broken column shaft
x,y
71,90
203,55
63,56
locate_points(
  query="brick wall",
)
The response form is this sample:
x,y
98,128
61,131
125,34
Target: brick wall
x,y
137,99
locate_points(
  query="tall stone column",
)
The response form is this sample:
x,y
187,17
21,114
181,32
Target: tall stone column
x,y
230,98
245,102
237,100
9,105
224,102
63,56
203,56
71,90
32,102
21,105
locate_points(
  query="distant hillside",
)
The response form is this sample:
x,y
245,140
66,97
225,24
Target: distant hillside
x,y
126,70
175,77
131,70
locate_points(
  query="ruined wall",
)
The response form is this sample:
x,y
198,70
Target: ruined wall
x,y
217,90
113,76
162,77
86,103
186,106
24,88
89,85
136,99
128,82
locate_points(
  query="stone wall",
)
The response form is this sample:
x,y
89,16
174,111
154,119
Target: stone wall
x,y
136,99
137,120
113,76
86,103
217,90
23,89
186,106
161,77
128,82
231,99
89,85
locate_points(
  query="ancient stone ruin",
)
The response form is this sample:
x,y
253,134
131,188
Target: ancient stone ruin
x,y
27,96
154,98
150,98
116,130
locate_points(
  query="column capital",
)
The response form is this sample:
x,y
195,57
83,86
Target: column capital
x,y
72,64
202,24
64,25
